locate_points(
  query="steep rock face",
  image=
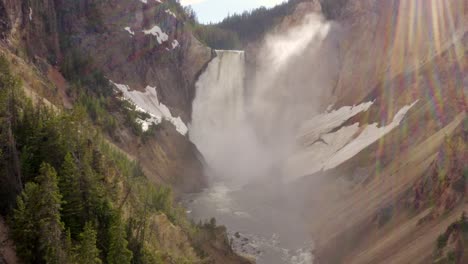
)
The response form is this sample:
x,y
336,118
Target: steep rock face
x,y
138,44
387,38
7,247
384,205
133,43
171,158
30,27
389,202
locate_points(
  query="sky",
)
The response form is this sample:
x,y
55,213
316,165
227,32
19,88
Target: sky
x,y
215,10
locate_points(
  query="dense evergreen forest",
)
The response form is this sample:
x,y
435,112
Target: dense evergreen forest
x,y
69,196
236,30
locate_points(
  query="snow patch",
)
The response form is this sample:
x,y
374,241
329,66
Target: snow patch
x,y
145,124
371,134
130,31
175,44
311,130
146,1
30,14
148,102
321,150
316,156
158,33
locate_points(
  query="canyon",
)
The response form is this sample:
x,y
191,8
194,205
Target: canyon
x,y
338,136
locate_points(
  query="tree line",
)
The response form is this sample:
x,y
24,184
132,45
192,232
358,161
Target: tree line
x,y
63,189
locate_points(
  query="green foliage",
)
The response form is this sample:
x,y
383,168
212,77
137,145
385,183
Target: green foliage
x,y
10,185
332,8
442,241
458,230
151,257
217,38
36,225
451,258
80,70
118,251
235,31
69,183
95,94
86,251
95,183
99,111
161,199
48,215
24,227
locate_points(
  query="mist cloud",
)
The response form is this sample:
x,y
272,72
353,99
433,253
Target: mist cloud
x,y
247,128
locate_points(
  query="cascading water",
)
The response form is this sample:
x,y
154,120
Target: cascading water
x,y
261,131
220,124
245,129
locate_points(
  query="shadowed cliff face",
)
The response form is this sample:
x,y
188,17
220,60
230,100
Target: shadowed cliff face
x,y
132,43
139,44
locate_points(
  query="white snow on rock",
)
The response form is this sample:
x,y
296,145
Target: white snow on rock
x,y
148,102
145,124
316,156
169,12
324,123
371,134
175,44
130,31
158,33
30,14
321,150
146,1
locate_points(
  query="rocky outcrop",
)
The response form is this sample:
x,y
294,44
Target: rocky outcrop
x,y
7,246
381,206
137,43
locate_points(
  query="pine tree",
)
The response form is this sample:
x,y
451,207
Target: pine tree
x,y
48,216
86,251
118,250
36,226
24,225
72,209
68,247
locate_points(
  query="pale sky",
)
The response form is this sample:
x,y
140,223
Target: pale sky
x,y
215,10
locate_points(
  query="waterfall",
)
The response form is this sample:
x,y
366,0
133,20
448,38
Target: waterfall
x,y
219,100
219,121
245,138
245,126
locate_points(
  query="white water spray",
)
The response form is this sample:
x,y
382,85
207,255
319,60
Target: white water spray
x,y
220,125
245,125
245,128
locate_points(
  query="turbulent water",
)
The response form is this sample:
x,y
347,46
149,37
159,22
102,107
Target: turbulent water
x,y
245,128
260,224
